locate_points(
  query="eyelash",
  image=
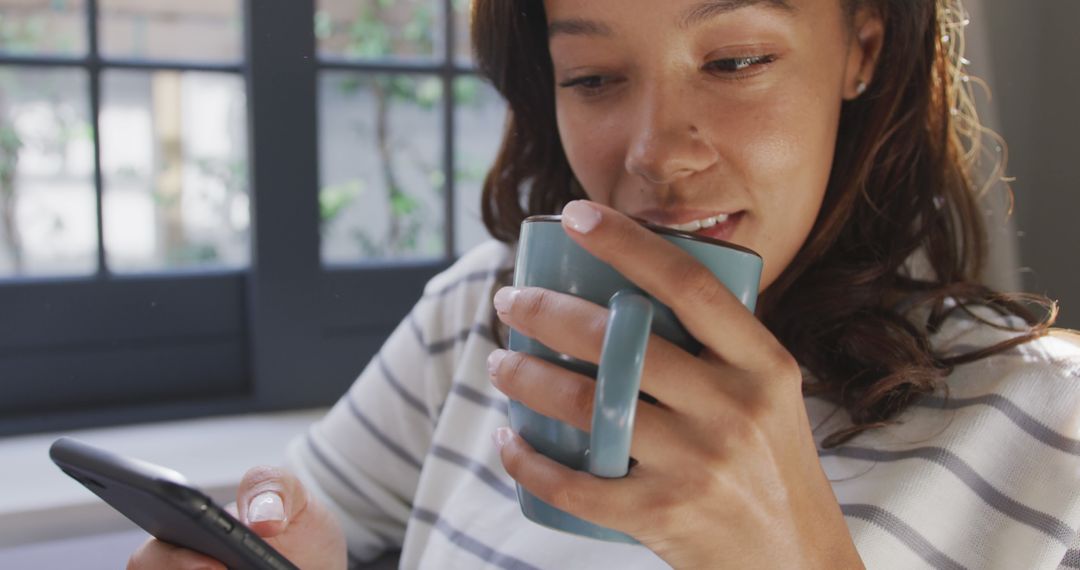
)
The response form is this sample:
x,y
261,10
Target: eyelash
x,y
588,86
742,63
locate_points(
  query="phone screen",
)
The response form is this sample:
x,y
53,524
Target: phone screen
x,y
162,502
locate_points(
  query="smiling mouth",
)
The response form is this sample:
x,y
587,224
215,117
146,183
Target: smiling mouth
x,y
696,225
721,226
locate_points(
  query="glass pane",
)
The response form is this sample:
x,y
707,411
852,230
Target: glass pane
x,y
174,164
43,27
48,209
380,165
479,115
462,38
369,29
193,30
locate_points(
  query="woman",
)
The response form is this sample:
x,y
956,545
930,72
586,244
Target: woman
x,y
879,408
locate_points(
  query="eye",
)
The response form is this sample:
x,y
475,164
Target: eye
x,y
739,66
589,84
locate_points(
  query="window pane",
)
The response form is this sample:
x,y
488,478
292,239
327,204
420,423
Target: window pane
x,y
462,38
48,209
479,114
43,27
366,29
174,164
380,143
200,30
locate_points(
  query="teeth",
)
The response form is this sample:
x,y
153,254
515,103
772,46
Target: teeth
x,y
699,224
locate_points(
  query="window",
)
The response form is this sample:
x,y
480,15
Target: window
x,y
219,206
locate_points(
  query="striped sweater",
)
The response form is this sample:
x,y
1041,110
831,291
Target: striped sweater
x,y
988,477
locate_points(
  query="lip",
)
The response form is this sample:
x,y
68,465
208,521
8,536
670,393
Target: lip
x,y
722,231
719,234
673,217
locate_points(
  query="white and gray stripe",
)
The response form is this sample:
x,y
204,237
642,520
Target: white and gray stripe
x,y
1001,502
1014,413
926,507
474,277
476,397
470,544
341,477
476,468
903,532
345,480
409,399
440,346
395,449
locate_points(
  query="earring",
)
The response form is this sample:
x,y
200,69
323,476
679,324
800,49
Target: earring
x,y
860,88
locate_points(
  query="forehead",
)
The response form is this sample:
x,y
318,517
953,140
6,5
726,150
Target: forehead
x,y
575,17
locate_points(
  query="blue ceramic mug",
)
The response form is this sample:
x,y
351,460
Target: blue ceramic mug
x,y
550,259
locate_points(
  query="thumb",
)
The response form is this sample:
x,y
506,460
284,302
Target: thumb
x,y
268,499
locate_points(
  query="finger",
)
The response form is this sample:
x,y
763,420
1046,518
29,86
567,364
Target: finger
x,y
555,392
155,554
606,502
270,498
711,313
574,326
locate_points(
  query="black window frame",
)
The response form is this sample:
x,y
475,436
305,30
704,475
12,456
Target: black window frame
x,y
286,332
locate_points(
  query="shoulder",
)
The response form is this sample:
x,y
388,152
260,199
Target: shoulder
x,y
991,458
456,303
479,265
1041,369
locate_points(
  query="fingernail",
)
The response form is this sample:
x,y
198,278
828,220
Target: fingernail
x,y
504,299
266,507
502,436
493,361
580,216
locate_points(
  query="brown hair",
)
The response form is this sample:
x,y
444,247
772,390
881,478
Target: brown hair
x,y
902,186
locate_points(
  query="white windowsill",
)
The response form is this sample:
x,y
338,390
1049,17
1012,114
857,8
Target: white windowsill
x,y
38,502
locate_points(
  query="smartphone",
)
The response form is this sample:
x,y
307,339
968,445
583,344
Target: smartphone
x,y
162,502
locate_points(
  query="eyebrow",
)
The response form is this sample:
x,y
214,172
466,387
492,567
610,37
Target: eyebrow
x,y
694,16
578,27
710,8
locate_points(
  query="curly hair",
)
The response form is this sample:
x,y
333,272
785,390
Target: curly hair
x,y
902,187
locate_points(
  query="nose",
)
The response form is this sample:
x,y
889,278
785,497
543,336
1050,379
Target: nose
x,y
667,143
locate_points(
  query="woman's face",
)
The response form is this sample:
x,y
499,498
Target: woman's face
x,y
720,113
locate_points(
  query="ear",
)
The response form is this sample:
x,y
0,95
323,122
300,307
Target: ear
x,y
864,48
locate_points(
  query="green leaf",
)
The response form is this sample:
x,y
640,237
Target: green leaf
x,y
9,140
368,36
466,90
333,199
400,87
437,179
428,92
470,170
350,85
324,25
402,204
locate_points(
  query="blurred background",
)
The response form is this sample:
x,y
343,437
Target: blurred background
x,y
217,208
144,144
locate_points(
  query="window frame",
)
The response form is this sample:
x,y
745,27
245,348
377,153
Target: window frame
x,y
285,332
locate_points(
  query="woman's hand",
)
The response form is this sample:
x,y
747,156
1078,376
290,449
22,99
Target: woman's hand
x,y
728,473
277,508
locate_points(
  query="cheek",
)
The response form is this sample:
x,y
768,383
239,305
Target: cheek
x,y
785,161
786,144
592,148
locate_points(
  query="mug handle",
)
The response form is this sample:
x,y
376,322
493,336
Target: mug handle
x,y
617,383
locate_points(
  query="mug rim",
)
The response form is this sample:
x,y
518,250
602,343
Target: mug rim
x,y
658,229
